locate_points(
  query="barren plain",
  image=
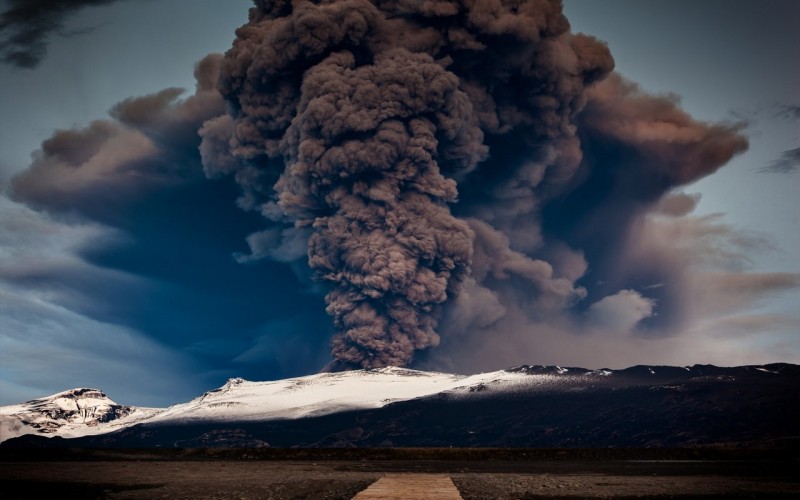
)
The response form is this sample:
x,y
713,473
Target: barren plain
x,y
239,475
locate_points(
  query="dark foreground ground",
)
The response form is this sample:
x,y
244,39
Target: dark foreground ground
x,y
204,474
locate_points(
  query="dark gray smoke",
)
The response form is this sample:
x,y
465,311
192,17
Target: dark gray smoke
x,y
362,116
415,145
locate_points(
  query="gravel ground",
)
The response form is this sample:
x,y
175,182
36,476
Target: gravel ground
x,y
516,486
329,480
179,480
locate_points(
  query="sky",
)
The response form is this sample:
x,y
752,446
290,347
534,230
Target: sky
x,y
145,260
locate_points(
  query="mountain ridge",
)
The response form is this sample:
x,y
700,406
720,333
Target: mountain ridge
x,y
361,407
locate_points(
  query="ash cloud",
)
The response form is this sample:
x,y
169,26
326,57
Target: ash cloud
x,y
670,147
148,146
359,119
472,159
26,27
693,268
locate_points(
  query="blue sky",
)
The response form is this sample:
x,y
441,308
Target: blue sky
x,y
134,289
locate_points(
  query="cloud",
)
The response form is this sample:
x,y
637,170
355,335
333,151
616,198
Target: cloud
x,y
47,348
283,346
614,229
85,169
704,264
41,255
680,290
126,230
686,253
677,204
753,326
671,147
26,27
32,242
723,293
287,244
787,163
621,312
788,111
151,146
565,344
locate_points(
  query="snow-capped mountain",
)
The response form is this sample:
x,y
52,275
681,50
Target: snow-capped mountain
x,y
82,412
73,413
327,393
521,406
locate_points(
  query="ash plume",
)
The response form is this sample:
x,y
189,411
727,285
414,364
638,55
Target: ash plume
x,y
432,155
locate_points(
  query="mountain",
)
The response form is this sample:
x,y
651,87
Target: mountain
x,y
77,412
524,406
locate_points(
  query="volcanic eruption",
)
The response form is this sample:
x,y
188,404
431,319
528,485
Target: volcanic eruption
x,y
411,149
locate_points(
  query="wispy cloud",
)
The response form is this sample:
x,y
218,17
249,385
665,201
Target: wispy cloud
x,y
47,344
787,163
788,111
48,348
26,27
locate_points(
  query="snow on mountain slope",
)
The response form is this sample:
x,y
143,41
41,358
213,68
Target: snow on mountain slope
x,y
72,413
83,412
327,393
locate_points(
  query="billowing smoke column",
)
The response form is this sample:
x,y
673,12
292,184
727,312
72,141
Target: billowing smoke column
x,y
363,171
412,145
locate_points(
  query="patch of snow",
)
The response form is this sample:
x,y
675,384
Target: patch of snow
x,y
765,370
